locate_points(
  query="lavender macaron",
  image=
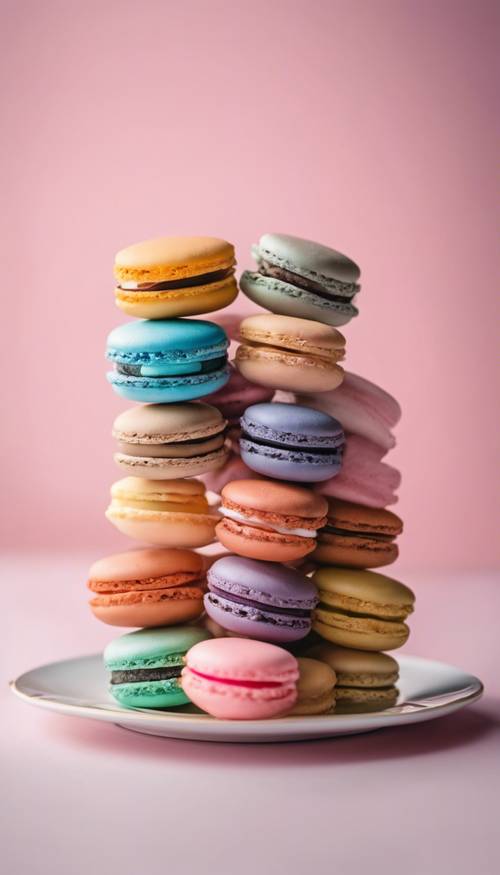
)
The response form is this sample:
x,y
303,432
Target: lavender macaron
x,y
291,442
260,599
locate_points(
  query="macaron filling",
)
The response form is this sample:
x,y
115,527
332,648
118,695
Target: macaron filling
x,y
181,283
171,368
345,533
335,291
258,522
140,675
252,603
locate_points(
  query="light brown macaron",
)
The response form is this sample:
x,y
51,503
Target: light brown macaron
x,y
155,587
315,688
357,536
361,609
290,354
365,680
170,441
270,520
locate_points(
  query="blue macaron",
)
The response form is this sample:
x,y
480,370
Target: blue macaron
x,y
167,360
297,277
291,442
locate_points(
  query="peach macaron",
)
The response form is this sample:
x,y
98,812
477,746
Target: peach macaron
x,y
270,520
152,587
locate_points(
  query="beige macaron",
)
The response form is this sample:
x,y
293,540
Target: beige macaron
x,y
290,354
362,609
365,680
315,688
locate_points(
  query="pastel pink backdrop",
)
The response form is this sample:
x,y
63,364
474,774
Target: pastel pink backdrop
x,y
365,125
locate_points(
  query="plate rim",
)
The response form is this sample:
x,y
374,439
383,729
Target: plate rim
x,y
298,722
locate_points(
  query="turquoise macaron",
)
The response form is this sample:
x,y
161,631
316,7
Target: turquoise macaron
x,y
167,360
297,277
146,665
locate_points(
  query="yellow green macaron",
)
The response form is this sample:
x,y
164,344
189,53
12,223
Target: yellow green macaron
x,y
175,276
361,609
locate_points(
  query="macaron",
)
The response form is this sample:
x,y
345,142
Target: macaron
x,y
175,276
167,360
169,513
170,441
364,477
148,587
365,680
237,679
262,600
146,666
291,442
357,536
315,688
362,407
297,277
238,394
293,354
361,609
270,520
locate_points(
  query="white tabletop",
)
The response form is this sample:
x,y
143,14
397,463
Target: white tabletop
x,y
81,796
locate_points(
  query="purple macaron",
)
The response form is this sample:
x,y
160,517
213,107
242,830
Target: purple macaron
x,y
260,599
291,442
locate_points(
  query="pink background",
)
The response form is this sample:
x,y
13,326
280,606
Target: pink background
x,y
365,125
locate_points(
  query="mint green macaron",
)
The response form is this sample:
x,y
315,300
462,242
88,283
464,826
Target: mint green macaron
x,y
146,665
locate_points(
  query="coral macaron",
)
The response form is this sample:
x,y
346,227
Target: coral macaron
x,y
169,513
236,679
170,441
148,587
270,520
175,276
290,354
262,600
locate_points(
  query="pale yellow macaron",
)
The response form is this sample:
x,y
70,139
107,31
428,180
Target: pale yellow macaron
x,y
361,609
294,355
175,276
365,680
315,688
167,513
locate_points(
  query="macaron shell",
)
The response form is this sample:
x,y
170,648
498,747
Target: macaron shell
x,y
145,614
166,390
352,700
287,370
152,648
259,543
259,623
164,529
288,300
354,552
292,334
307,258
236,703
158,468
168,423
192,301
364,592
282,503
362,633
357,668
153,694
315,688
166,341
170,258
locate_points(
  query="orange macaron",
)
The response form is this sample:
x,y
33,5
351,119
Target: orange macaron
x,y
270,520
155,587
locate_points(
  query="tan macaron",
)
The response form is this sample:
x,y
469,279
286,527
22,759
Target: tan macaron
x,y
365,680
290,354
362,609
315,688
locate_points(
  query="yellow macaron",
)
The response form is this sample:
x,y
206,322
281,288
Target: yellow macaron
x,y
175,276
167,513
362,609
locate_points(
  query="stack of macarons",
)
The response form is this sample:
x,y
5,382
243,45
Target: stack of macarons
x,y
272,433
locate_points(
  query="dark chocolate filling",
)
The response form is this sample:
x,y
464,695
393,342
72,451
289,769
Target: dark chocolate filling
x,y
320,451
287,276
145,674
262,606
344,533
185,283
206,368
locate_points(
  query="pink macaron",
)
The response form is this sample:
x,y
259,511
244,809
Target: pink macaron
x,y
363,478
240,679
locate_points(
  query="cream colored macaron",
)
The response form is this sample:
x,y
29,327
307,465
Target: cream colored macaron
x,y
167,513
315,688
290,354
365,680
362,609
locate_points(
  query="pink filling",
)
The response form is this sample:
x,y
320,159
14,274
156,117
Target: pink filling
x,y
251,685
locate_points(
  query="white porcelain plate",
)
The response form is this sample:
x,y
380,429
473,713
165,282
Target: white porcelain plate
x,y
79,687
